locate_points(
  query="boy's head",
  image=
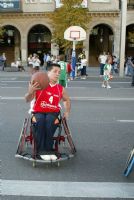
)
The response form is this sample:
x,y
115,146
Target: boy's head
x,y
54,72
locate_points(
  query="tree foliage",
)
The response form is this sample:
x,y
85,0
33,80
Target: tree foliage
x,y
1,31
70,14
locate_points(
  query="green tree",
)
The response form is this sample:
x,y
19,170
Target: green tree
x,y
1,31
70,14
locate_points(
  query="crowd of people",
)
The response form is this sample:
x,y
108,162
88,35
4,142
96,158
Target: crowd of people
x,y
81,65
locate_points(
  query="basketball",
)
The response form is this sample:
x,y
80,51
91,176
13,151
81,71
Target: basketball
x,y
41,78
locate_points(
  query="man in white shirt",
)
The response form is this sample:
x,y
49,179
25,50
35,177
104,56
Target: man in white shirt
x,y
102,60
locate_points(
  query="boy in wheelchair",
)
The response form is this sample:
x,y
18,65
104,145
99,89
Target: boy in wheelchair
x,y
46,110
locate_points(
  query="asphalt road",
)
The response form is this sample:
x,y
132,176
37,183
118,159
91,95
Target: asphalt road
x,y
102,125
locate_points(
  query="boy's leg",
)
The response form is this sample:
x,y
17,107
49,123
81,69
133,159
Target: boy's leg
x,y
39,131
50,130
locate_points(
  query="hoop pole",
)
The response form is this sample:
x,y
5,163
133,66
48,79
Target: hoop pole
x,y
73,60
73,45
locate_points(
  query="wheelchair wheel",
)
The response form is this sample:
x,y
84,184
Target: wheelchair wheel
x,y
69,136
129,163
22,145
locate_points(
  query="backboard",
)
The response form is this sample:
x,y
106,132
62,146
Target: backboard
x,y
75,33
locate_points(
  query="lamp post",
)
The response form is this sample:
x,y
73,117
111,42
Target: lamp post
x,y
122,36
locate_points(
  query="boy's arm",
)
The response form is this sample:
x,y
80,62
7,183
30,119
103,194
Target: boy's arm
x,y
66,103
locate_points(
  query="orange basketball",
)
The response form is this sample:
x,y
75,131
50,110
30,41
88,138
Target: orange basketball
x,y
41,78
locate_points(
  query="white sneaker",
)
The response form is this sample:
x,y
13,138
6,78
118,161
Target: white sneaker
x,y
53,157
108,87
103,86
45,157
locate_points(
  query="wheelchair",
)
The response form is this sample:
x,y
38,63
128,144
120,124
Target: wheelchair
x,y
63,144
129,164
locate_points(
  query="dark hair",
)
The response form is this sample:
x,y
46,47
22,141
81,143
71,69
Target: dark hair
x,y
51,66
62,57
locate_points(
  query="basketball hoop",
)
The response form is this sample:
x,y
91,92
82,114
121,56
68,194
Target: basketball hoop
x,y
75,33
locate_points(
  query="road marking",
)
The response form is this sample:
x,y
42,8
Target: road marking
x,y
68,189
13,81
7,79
126,121
12,98
102,98
6,87
87,81
81,98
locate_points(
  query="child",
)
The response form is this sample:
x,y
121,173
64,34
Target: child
x,y
107,73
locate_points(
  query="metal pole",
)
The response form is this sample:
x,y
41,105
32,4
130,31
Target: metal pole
x,y
73,60
123,36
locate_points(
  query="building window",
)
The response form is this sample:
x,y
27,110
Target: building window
x,y
45,1
130,4
31,1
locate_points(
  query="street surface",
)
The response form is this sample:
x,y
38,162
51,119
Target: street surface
x,y
102,126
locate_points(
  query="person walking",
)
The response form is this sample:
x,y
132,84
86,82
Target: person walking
x,y
83,67
107,73
3,61
132,66
63,73
102,60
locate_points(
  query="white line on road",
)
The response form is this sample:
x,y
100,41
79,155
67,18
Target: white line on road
x,y
81,98
88,81
13,81
5,87
68,189
12,98
126,121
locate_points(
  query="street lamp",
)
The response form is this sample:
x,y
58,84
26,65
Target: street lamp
x,y
101,39
9,40
39,40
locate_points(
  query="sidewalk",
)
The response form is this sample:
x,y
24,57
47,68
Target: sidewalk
x,y
93,73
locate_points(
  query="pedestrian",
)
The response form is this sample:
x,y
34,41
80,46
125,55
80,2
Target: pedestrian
x,y
83,67
69,69
36,60
102,60
107,73
129,66
132,65
115,65
19,65
46,110
48,60
30,60
3,61
63,73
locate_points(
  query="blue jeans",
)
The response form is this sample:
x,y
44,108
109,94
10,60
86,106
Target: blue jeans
x,y
43,131
102,68
132,77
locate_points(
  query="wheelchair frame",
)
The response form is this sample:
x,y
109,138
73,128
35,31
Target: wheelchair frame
x,y
26,148
130,163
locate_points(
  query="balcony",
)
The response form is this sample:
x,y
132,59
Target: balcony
x,y
37,6
103,5
130,6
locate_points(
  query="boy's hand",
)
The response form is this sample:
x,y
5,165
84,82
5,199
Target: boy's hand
x,y
33,87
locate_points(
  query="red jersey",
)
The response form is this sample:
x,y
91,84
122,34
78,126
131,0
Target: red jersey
x,y
47,100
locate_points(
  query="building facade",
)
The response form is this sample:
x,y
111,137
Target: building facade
x,y
29,29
